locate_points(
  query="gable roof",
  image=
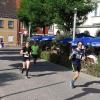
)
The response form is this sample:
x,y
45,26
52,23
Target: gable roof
x,y
8,8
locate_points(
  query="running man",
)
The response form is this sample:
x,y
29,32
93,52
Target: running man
x,y
77,55
35,51
26,52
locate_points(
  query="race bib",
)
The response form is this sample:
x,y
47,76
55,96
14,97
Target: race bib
x,y
26,55
78,56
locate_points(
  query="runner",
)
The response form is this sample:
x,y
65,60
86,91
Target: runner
x,y
76,56
35,51
26,52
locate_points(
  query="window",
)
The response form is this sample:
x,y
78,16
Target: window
x,y
10,38
1,23
10,24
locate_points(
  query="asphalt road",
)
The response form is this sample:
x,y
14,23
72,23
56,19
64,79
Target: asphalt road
x,y
47,81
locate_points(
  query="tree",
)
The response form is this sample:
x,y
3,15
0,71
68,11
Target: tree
x,y
86,32
39,12
23,12
46,12
65,11
98,33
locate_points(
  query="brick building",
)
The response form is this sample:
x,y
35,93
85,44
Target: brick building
x,y
9,25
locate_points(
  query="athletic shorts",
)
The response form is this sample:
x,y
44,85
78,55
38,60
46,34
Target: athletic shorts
x,y
26,59
35,56
76,67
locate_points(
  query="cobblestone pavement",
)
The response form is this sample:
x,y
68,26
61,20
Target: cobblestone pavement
x,y
47,81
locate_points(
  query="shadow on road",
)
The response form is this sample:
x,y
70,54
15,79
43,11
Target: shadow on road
x,y
86,91
9,73
9,53
11,58
39,75
6,77
32,89
41,66
8,69
88,83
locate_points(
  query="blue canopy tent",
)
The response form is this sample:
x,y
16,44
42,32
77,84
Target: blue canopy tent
x,y
85,40
65,40
74,43
36,38
48,37
80,35
96,42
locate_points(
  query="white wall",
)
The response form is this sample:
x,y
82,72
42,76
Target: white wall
x,y
92,31
93,21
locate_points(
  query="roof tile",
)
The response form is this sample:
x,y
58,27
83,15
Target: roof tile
x,y
8,8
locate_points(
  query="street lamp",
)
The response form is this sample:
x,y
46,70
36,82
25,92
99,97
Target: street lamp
x,y
74,23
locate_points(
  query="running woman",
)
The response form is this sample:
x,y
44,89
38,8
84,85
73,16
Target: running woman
x,y
26,52
77,55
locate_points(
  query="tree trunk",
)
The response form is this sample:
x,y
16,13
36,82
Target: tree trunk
x,y
44,30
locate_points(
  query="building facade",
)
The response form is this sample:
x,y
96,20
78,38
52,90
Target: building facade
x,y
92,25
9,25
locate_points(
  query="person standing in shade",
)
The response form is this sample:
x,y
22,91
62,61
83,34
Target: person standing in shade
x,y
35,51
26,52
77,55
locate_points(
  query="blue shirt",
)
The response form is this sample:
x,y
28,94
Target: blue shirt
x,y
77,55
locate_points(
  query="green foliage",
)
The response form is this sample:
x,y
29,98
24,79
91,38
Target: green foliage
x,y
86,32
25,38
98,33
54,58
59,37
61,58
99,59
23,12
46,12
64,12
39,12
45,55
50,56
94,70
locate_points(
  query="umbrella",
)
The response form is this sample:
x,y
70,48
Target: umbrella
x,y
96,42
74,43
65,40
48,37
80,35
36,38
85,40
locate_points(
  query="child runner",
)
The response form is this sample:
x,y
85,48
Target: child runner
x,y
77,55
